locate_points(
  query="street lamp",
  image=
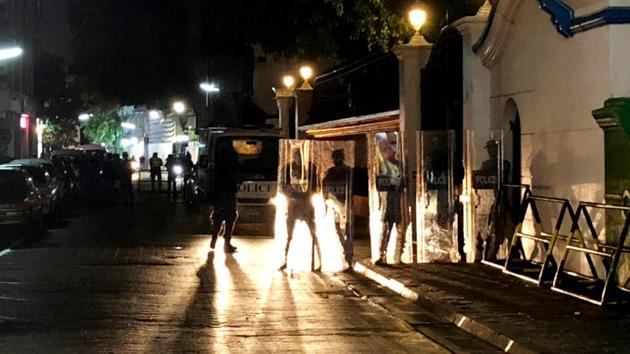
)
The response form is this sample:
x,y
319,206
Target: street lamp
x,y
153,114
288,82
84,117
209,87
417,18
10,53
127,125
179,107
306,72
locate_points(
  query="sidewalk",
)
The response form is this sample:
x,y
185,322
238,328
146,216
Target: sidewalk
x,y
505,311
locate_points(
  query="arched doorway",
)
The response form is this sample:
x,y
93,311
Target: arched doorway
x,y
512,141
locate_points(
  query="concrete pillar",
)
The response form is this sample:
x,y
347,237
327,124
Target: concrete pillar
x,y
284,100
303,97
476,115
412,58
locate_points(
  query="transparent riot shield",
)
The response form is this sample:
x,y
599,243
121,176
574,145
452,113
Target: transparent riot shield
x,y
314,204
389,230
489,207
437,209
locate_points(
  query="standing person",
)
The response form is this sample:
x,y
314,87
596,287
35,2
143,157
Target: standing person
x,y
108,178
389,185
226,186
155,164
170,180
125,182
302,185
336,187
118,173
187,166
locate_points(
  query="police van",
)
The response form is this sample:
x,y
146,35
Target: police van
x,y
257,150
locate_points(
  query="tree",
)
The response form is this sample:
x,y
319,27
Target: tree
x,y
58,100
104,125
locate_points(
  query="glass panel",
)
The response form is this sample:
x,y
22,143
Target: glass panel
x,y
437,208
314,204
388,223
495,208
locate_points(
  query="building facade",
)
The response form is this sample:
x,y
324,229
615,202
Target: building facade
x,y
18,19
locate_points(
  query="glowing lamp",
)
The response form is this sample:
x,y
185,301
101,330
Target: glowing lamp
x,y
128,125
288,81
10,53
417,18
209,87
153,114
179,107
306,72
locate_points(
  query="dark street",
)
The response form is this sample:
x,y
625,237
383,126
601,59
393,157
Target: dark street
x,y
142,280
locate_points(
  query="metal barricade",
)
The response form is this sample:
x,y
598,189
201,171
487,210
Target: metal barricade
x,y
506,213
592,288
527,268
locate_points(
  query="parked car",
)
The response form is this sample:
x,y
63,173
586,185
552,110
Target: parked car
x,y
54,174
21,203
45,183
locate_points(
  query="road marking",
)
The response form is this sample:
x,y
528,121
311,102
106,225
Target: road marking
x,y
21,299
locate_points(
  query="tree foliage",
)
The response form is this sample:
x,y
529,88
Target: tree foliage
x,y
103,126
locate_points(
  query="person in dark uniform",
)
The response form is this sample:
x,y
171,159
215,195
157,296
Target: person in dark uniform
x,y
171,183
302,185
336,187
125,182
226,186
155,164
500,225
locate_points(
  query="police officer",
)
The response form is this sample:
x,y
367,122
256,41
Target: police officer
x,y
226,185
155,163
170,167
125,182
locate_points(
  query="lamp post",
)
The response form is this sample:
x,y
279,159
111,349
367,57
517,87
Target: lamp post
x,y
284,100
412,58
303,96
10,53
209,88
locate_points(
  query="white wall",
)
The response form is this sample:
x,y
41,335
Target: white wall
x,y
556,82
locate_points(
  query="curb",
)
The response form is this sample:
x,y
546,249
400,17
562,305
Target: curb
x,y
475,328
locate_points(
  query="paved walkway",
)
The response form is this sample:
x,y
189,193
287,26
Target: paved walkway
x,y
507,311
141,280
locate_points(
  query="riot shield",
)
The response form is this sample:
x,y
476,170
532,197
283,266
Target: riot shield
x,y
437,209
489,207
314,204
388,219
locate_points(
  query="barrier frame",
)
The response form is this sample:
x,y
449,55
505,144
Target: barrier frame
x,y
547,239
609,252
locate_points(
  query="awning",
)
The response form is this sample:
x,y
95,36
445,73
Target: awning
x,y
371,123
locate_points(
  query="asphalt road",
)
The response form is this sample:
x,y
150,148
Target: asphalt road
x,y
122,280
